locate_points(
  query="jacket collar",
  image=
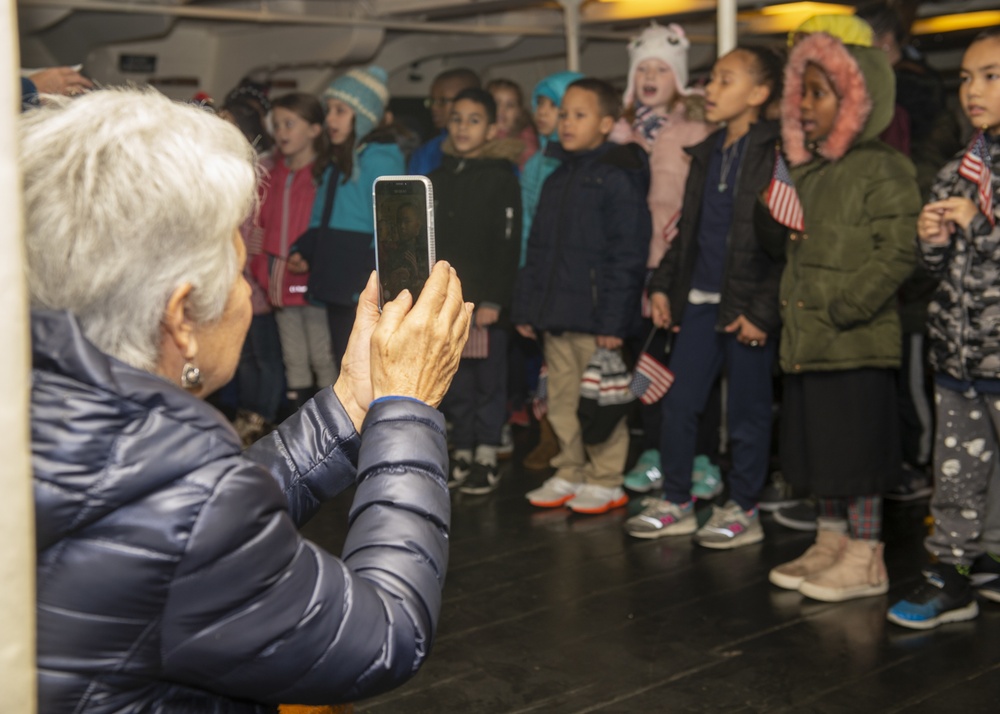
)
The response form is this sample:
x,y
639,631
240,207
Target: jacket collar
x,y
761,132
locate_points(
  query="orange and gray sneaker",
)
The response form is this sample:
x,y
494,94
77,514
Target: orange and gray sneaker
x,y
597,499
553,493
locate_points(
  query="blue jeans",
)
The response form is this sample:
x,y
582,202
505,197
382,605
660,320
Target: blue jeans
x,y
261,373
699,355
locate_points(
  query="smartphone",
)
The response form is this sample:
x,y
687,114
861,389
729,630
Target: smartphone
x,y
404,234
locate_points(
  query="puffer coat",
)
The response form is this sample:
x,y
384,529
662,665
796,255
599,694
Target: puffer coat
x,y
964,316
860,200
171,574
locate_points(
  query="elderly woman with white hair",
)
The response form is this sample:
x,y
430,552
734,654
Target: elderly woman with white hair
x,y
171,574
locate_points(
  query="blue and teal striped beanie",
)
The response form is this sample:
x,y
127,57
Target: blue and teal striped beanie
x,y
364,90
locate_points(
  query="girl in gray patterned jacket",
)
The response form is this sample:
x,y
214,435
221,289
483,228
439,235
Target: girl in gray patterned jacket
x,y
960,244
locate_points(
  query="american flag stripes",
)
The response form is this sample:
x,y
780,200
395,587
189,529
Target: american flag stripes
x,y
478,346
782,199
650,379
540,404
976,166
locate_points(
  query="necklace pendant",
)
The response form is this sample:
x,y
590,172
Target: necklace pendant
x,y
723,186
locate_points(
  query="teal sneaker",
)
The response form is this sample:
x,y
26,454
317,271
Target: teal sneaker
x,y
645,475
706,479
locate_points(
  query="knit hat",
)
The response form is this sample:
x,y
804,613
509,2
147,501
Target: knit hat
x,y
668,44
364,91
849,29
554,88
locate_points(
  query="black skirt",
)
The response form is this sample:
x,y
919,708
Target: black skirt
x,y
840,432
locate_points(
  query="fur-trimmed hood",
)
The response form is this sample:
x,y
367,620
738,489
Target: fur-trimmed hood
x,y
865,86
508,149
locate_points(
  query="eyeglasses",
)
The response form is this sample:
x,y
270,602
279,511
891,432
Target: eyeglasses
x,y
438,102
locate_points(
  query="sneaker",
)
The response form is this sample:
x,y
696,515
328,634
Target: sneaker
x,y
944,596
800,517
645,476
859,572
460,470
777,494
662,518
597,499
915,485
483,479
553,493
506,447
822,554
730,527
985,576
706,479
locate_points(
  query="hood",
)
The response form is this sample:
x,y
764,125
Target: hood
x,y
554,87
508,149
864,82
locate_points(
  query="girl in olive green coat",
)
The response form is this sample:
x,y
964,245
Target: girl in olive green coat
x,y
840,341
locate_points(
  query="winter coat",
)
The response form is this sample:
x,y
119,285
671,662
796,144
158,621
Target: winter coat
x,y
751,278
341,259
171,574
860,200
587,249
477,221
287,199
964,315
668,167
427,157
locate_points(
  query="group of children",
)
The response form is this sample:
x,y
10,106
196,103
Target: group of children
x,y
759,218
739,279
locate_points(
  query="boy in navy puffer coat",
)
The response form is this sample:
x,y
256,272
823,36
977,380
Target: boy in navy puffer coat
x,y
580,285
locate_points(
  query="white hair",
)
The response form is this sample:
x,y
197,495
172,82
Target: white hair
x,y
127,196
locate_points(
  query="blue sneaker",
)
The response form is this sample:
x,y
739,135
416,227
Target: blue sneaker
x,y
706,479
944,596
645,476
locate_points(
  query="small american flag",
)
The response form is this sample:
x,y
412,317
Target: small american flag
x,y
670,230
540,404
478,346
782,199
976,166
650,380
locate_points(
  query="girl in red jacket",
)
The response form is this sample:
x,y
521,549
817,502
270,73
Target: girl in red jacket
x,y
286,205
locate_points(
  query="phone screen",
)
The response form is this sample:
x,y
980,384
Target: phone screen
x,y
404,234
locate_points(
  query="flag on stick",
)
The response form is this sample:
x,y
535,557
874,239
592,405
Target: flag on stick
x,y
651,379
976,166
782,199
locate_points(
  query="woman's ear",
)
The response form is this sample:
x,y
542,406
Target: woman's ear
x,y
178,328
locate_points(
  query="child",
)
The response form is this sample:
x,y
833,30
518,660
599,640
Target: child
x,y
284,215
960,244
478,227
840,340
580,286
719,290
512,118
343,258
665,118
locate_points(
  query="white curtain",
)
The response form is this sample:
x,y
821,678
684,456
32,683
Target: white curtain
x,y
17,532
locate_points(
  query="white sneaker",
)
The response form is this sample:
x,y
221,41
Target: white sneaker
x,y
553,493
662,518
597,499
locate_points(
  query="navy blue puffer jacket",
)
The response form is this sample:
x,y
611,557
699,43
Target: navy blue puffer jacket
x,y
171,574
587,250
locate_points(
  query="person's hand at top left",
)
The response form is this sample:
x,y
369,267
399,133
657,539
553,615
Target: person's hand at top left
x,y
60,80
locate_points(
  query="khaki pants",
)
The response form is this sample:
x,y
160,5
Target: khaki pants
x,y
566,357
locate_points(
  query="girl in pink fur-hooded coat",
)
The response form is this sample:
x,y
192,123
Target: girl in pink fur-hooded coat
x,y
841,340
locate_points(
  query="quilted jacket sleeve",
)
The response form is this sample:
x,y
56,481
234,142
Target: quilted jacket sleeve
x,y
257,612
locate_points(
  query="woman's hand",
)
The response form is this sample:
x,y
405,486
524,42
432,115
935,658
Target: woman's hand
x,y
354,385
747,333
416,348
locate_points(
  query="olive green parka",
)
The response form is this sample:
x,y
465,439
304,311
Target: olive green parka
x,y
860,201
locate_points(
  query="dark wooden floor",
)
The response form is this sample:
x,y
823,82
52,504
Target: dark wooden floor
x,y
545,611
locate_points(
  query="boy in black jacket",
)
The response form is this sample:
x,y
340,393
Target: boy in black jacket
x,y
477,217
581,284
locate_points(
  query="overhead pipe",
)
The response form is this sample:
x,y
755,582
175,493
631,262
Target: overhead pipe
x,y
725,19
571,21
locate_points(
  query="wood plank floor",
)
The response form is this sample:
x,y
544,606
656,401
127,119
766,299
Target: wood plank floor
x,y
547,611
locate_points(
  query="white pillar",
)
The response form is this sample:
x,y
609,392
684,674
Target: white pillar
x,y
725,18
571,20
17,529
